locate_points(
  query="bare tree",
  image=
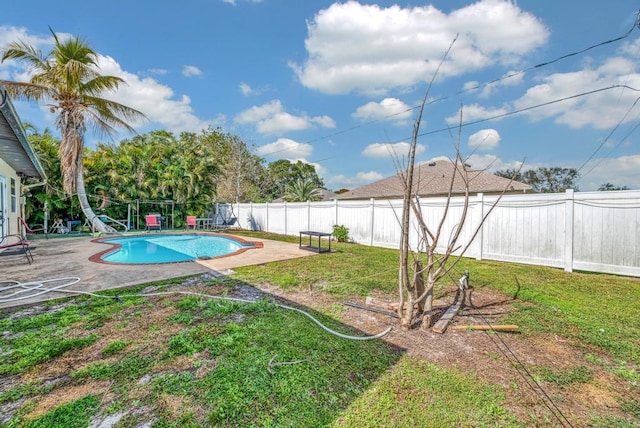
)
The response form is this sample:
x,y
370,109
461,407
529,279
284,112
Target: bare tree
x,y
422,267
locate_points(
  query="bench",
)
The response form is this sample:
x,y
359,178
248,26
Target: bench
x,y
317,248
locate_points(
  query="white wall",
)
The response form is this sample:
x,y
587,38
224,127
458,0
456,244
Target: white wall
x,y
592,231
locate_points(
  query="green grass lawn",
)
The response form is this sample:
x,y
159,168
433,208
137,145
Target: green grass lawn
x,y
191,361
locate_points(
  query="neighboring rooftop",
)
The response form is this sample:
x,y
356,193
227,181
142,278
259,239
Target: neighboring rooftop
x,y
15,148
433,179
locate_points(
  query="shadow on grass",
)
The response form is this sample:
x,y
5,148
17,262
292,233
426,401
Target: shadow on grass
x,y
184,360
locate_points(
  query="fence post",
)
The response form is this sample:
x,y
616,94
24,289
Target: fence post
x,y
285,217
267,220
335,201
373,211
568,231
308,215
479,237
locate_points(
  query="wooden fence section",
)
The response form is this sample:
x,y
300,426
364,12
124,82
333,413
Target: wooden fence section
x,y
591,231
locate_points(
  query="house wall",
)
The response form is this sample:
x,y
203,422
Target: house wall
x,y
10,200
591,231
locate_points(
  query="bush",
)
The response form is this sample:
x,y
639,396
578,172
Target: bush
x,y
341,233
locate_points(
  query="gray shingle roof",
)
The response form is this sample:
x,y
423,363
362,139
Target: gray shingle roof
x,y
433,179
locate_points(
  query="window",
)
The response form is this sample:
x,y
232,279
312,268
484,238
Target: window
x,y
14,200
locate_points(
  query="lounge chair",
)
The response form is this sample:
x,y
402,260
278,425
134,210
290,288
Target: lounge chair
x,y
191,222
152,222
32,230
16,243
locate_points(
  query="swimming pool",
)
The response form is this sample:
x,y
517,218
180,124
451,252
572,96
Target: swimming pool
x,y
170,248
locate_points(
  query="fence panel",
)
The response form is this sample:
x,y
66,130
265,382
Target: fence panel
x,y
322,216
607,232
593,231
356,215
526,229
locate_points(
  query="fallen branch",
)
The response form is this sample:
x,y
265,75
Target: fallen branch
x,y
504,327
283,363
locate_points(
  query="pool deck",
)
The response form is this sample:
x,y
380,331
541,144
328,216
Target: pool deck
x,y
69,257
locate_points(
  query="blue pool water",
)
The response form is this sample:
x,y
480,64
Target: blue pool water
x,y
170,248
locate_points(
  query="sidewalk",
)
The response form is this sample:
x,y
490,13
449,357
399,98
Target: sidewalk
x,y
69,257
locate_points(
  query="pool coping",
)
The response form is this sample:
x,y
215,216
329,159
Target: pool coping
x,y
97,258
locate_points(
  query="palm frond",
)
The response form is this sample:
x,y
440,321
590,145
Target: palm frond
x,y
27,91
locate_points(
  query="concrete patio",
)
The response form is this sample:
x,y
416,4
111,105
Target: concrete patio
x,y
69,257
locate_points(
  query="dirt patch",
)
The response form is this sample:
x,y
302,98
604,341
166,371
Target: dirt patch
x,y
509,360
67,394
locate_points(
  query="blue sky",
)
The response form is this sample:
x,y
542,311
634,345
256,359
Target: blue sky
x,y
333,84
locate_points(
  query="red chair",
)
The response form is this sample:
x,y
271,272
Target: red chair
x,y
32,230
191,222
17,242
152,222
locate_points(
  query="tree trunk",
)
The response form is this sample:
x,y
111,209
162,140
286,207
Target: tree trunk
x,y
84,202
418,284
428,303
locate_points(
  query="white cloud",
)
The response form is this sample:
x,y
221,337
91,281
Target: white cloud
x,y
601,110
371,49
191,70
14,70
391,109
475,112
383,150
485,90
153,99
621,171
359,179
13,34
271,119
245,89
485,139
324,121
286,149
234,2
158,71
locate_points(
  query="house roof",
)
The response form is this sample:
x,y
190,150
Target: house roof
x,y
433,179
15,148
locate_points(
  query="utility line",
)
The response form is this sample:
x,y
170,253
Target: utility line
x,y
613,148
609,136
511,113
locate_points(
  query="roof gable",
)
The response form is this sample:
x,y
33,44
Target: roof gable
x,y
15,148
434,179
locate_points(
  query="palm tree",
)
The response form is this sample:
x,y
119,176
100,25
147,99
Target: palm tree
x,y
301,191
67,79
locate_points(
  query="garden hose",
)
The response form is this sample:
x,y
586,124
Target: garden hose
x,y
38,288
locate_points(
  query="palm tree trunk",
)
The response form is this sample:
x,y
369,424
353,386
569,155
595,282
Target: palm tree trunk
x,y
96,223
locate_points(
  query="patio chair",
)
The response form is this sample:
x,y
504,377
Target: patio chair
x,y
152,222
227,223
15,244
191,222
32,230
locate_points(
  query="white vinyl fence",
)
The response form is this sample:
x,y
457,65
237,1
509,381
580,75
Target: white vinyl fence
x,y
591,231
